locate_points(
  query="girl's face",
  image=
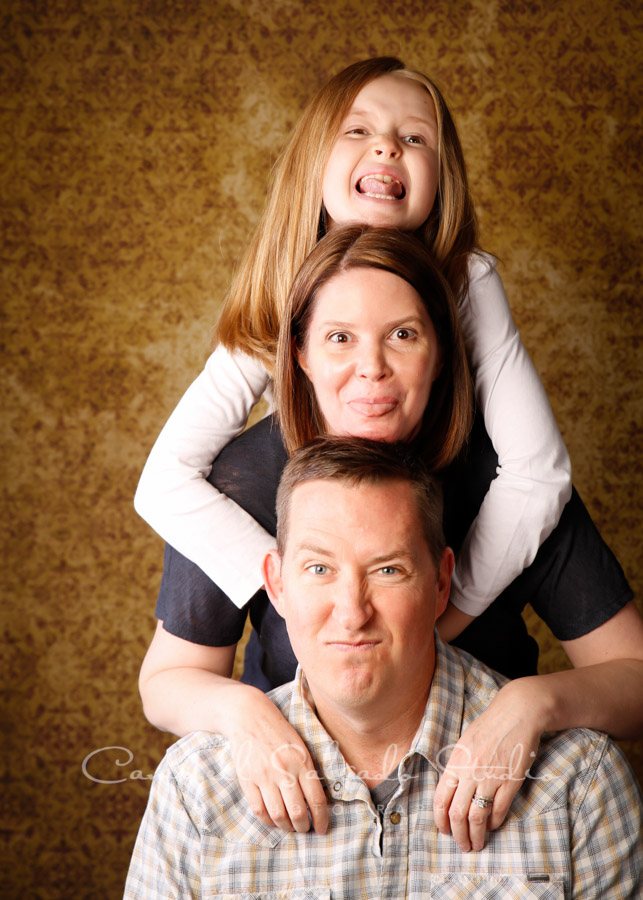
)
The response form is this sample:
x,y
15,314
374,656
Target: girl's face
x,y
383,169
371,355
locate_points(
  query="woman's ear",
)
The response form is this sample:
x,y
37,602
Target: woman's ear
x,y
271,570
300,356
439,365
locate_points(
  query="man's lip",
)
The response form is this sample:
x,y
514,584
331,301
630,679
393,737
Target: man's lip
x,y
347,646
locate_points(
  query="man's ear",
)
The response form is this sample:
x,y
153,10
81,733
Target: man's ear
x,y
271,570
447,565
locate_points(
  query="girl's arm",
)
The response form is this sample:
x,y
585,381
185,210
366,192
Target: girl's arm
x,y
173,495
525,501
187,687
603,692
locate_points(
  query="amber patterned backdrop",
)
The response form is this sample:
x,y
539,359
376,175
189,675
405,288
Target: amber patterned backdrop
x,y
136,138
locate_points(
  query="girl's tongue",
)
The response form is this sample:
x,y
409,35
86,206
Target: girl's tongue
x,y
380,186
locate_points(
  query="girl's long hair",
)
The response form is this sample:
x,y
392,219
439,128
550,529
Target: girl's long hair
x,y
292,221
447,419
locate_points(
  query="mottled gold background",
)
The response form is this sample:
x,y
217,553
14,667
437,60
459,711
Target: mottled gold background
x,y
136,139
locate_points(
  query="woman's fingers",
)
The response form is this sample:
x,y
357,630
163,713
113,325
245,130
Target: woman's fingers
x,y
281,785
487,767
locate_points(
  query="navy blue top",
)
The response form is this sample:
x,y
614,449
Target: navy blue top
x,y
574,584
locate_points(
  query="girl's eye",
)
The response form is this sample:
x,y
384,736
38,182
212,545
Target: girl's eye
x,y
339,337
413,139
357,130
318,569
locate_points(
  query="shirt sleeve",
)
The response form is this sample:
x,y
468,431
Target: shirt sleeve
x,y
525,501
167,855
607,833
173,495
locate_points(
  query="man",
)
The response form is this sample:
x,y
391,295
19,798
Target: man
x,y
360,577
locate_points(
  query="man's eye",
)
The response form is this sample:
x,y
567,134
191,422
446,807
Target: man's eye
x,y
318,569
389,570
339,337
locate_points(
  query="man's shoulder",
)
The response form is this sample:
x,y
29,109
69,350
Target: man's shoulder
x,y
571,768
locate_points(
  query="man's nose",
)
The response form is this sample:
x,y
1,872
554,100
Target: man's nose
x,y
352,606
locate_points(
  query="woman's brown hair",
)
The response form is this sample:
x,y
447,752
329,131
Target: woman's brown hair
x,y
292,221
447,419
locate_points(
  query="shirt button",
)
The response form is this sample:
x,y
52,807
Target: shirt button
x,y
395,818
337,786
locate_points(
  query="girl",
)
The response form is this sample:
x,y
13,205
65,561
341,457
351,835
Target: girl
x,y
378,146
380,168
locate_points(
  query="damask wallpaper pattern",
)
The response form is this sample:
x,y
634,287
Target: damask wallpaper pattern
x,y
136,140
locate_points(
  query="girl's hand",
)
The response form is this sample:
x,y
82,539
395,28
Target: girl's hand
x,y
490,760
274,767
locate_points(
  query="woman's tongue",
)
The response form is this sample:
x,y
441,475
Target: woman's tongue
x,y
374,186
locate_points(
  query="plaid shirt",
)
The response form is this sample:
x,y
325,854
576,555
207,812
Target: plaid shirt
x,y
574,829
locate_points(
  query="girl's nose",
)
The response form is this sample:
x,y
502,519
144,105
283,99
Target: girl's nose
x,y
386,146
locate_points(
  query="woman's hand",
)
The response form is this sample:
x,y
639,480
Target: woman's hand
x,y
490,760
274,767
187,687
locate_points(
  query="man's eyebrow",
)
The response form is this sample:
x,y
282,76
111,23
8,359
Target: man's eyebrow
x,y
401,555
313,548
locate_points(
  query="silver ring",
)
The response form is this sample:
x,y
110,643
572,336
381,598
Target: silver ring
x,y
482,802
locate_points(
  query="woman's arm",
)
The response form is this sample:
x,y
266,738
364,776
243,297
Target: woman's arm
x,y
493,755
187,687
173,495
525,501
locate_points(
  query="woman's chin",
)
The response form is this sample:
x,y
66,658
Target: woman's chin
x,y
378,431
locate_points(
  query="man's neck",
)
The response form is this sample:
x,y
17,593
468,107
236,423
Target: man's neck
x,y
373,740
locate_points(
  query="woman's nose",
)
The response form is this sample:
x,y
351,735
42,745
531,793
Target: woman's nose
x,y
372,363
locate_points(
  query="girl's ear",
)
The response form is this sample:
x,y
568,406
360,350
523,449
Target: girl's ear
x,y
271,570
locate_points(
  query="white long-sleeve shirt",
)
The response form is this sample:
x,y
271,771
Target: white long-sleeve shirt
x,y
520,510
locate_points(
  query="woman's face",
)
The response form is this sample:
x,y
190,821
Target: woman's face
x,y
371,355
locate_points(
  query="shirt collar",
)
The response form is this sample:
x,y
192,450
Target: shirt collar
x,y
439,730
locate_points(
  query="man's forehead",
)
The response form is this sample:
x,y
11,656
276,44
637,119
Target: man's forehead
x,y
332,510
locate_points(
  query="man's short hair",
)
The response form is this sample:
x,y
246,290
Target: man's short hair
x,y
356,461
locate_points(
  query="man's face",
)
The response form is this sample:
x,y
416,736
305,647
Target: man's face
x,y
359,592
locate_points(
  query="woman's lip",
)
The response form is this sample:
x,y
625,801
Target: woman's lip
x,y
373,406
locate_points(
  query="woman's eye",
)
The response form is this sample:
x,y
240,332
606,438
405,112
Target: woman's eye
x,y
339,337
413,139
403,334
318,569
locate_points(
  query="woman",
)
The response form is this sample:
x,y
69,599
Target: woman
x,y
371,347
